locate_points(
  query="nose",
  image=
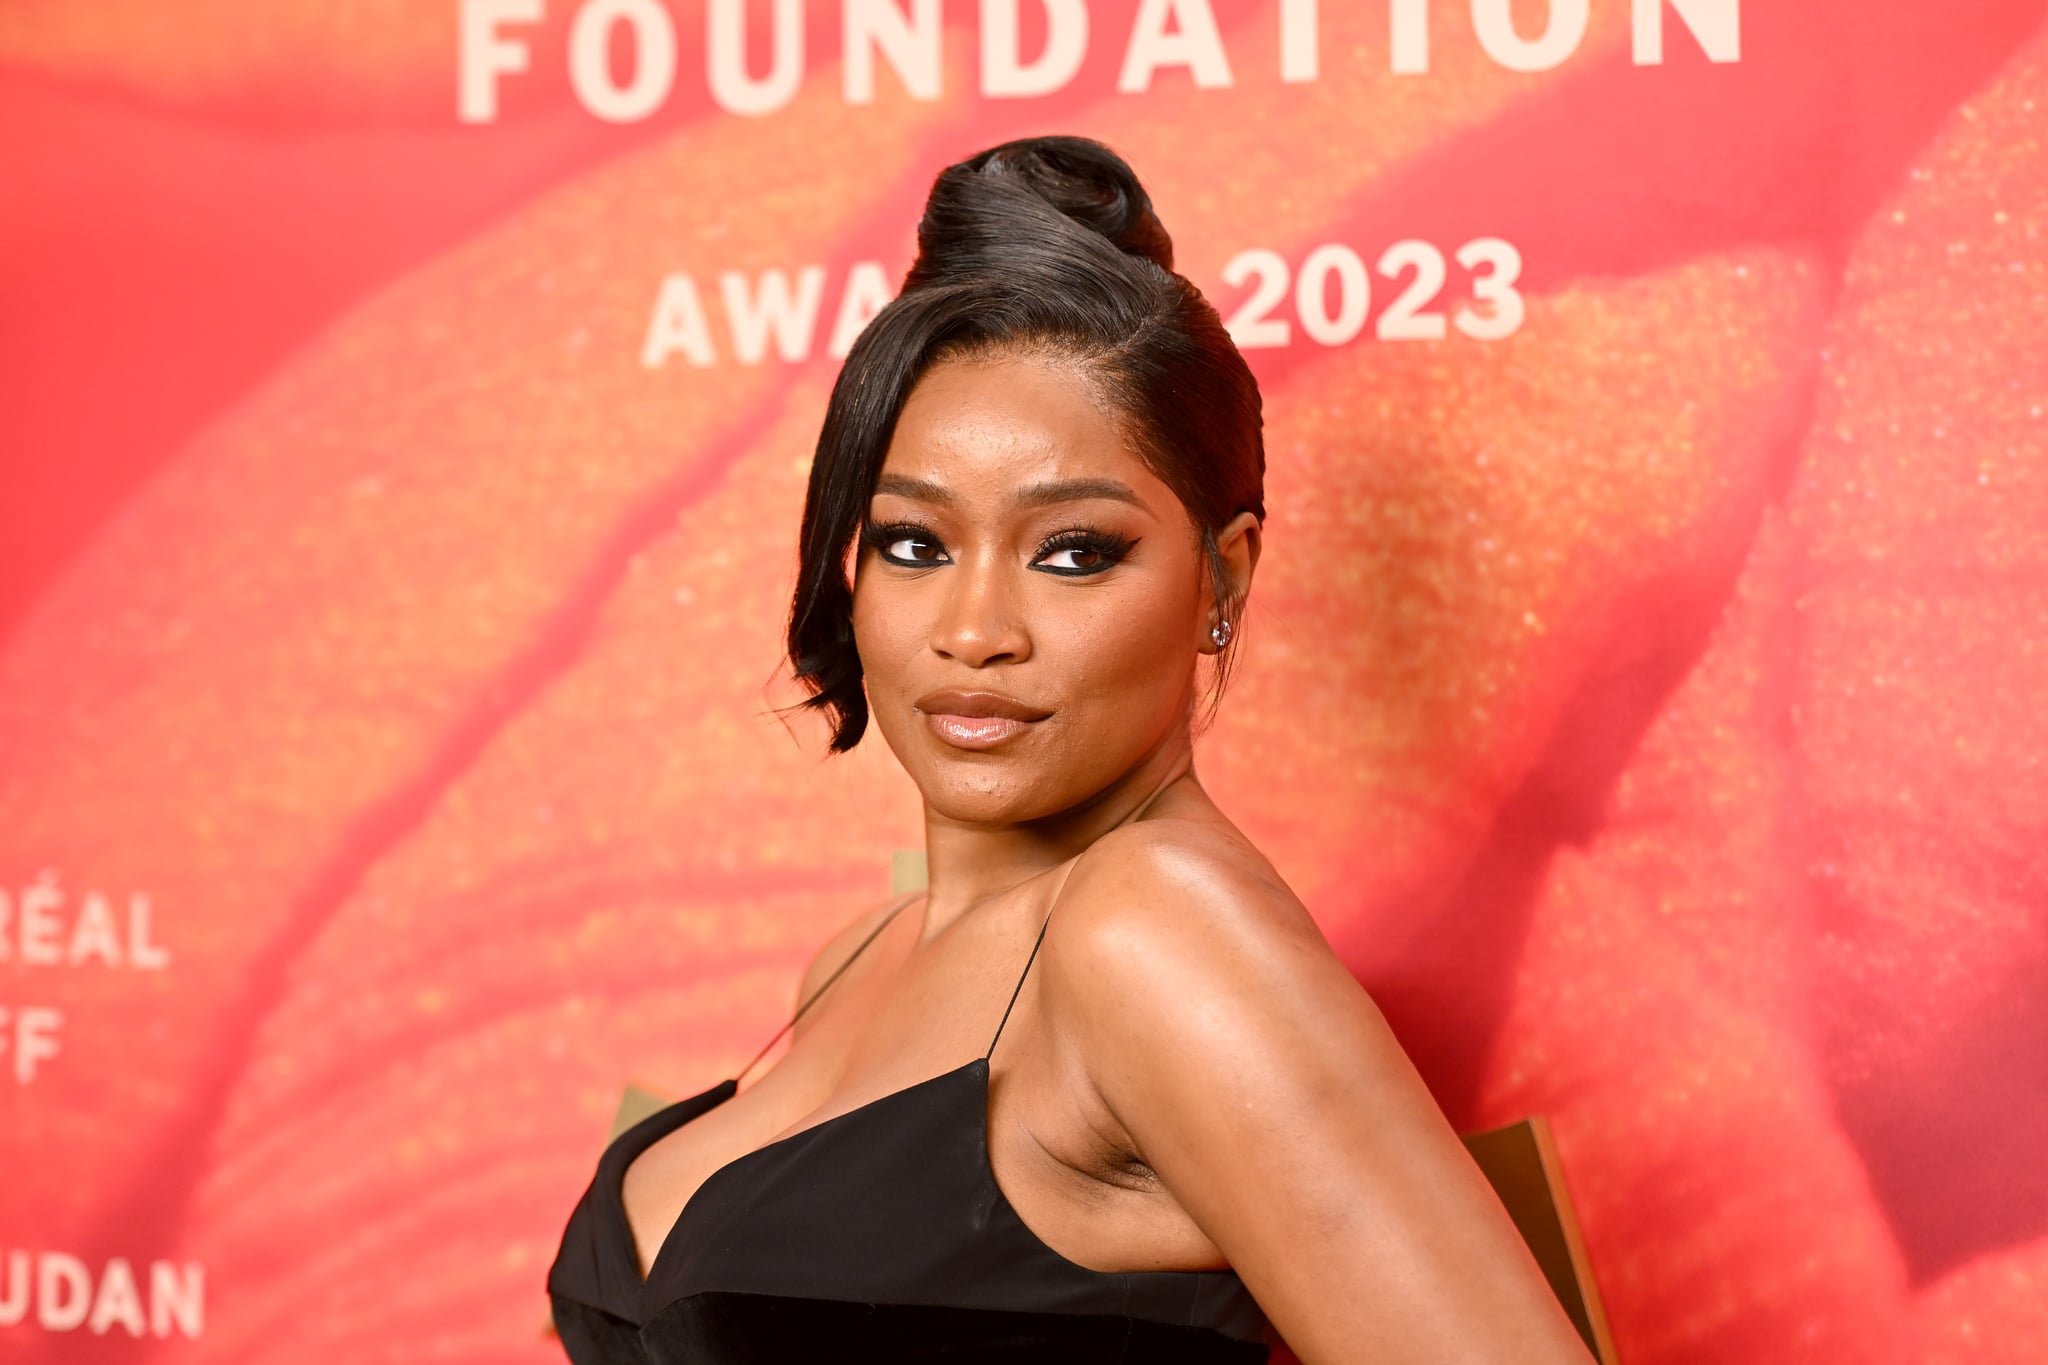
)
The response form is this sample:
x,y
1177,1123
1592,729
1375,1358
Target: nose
x,y
980,618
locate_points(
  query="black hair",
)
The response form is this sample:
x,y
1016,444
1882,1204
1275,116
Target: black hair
x,y
1042,245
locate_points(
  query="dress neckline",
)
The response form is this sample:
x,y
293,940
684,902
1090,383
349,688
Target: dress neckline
x,y
977,1068
614,1185
629,1145
614,1182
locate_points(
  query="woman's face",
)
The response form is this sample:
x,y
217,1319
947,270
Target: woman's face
x,y
1019,558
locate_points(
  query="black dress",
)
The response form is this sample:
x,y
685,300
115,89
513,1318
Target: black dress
x,y
879,1234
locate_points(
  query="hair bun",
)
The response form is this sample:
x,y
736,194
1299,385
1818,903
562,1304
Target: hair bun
x,y
1083,180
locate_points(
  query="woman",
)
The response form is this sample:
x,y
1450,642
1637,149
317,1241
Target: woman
x,y
1044,459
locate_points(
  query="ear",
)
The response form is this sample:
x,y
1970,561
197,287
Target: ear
x,y
1238,543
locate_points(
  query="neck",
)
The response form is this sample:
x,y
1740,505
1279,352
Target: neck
x,y
966,864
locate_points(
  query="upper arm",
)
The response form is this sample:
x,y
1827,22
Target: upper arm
x,y
1256,1077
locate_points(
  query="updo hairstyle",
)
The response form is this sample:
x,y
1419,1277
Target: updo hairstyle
x,y
1043,246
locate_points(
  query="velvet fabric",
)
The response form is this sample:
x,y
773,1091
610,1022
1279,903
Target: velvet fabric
x,y
880,1233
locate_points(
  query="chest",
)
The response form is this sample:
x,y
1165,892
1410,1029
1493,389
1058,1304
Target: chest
x,y
1034,1136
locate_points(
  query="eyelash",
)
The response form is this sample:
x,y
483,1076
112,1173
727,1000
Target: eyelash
x,y
1110,545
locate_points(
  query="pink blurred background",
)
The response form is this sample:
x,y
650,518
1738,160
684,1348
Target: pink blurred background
x,y
403,446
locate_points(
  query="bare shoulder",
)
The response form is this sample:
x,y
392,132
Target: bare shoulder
x,y
1231,1051
840,948
1162,897
1177,958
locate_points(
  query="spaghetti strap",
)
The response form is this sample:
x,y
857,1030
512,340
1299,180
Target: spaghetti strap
x,y
873,934
1020,987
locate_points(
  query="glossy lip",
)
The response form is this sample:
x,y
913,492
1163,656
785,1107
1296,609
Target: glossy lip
x,y
953,701
976,720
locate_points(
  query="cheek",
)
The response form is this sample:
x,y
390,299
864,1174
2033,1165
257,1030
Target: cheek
x,y
891,631
1133,654
1123,650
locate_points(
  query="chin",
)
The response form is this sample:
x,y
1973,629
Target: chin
x,y
984,793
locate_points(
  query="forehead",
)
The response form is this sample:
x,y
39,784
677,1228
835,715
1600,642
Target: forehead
x,y
990,424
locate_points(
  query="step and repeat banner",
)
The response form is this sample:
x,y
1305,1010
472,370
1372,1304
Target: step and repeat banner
x,y
405,410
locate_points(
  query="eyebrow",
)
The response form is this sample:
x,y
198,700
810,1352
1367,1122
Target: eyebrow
x,y
1031,495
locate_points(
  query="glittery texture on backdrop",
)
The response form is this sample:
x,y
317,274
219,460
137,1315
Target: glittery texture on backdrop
x,y
1648,703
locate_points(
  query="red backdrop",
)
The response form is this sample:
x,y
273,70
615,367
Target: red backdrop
x,y
405,411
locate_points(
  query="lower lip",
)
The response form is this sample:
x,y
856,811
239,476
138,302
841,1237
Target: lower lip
x,y
976,732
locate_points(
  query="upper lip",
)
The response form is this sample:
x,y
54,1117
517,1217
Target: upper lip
x,y
952,701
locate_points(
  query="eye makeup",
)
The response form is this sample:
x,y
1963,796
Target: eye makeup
x,y
1105,548
1108,548
880,535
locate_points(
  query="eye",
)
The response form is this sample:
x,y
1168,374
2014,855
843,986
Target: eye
x,y
914,555
902,543
1090,559
1086,550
